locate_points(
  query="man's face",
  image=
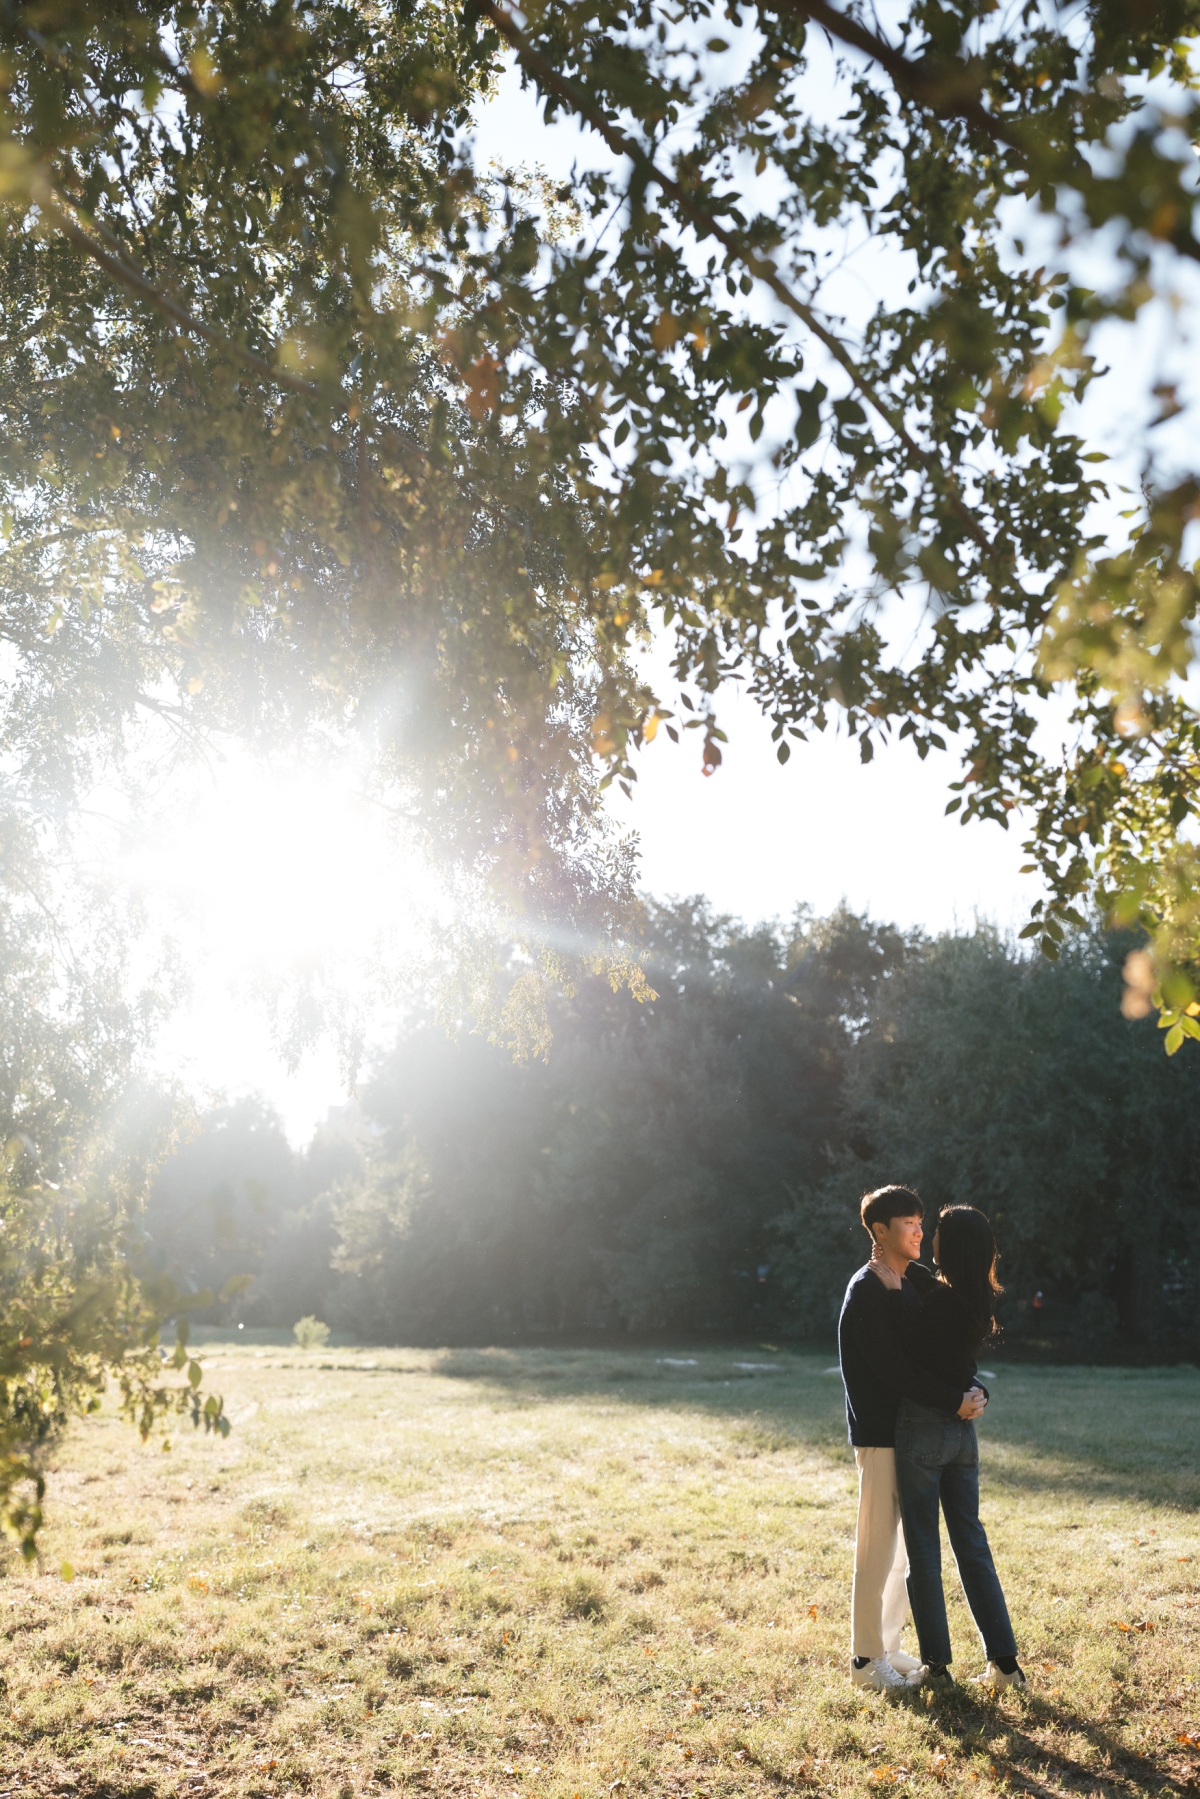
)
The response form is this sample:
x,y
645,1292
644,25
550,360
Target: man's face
x,y
901,1238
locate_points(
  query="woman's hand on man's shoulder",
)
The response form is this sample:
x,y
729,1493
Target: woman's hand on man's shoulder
x,y
887,1275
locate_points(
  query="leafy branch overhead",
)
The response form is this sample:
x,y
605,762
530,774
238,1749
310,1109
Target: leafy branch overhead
x,y
311,421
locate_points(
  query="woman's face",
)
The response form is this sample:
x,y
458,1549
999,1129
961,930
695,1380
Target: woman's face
x,y
936,1257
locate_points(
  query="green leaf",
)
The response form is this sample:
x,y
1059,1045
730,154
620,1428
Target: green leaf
x,y
1173,1039
808,420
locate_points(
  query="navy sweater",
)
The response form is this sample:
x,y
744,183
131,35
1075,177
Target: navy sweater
x,y
876,1373
936,1331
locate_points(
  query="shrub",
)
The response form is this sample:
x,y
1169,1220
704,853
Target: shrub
x,y
310,1333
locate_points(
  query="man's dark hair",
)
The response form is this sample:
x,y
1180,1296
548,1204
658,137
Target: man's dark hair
x,y
887,1203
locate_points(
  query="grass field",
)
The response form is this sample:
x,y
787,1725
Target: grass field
x,y
552,1574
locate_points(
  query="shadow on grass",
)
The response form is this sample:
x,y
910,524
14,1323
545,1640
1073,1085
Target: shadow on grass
x,y
1029,1765
1089,1434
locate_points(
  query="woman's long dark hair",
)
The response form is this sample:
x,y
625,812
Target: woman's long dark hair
x,y
967,1259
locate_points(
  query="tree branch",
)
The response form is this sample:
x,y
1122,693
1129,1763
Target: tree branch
x,y
58,207
548,78
947,88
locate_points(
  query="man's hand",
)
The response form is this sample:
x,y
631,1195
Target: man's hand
x,y
973,1403
879,1267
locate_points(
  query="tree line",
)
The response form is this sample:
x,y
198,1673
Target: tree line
x,y
690,1165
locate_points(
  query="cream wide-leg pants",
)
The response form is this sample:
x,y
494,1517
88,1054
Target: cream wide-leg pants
x,y
879,1602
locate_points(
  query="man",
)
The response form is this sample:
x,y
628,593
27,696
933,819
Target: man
x,y
876,1376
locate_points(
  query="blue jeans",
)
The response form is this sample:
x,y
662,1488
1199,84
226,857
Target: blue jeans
x,y
937,1459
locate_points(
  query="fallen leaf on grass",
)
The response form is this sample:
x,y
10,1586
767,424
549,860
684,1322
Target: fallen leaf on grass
x,y
812,1612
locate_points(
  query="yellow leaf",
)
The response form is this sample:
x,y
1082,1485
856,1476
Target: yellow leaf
x,y
204,74
664,331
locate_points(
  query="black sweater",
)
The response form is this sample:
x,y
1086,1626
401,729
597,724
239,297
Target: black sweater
x,y
935,1330
876,1373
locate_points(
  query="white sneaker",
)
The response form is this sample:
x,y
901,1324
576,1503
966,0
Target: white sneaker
x,y
878,1676
902,1662
998,1680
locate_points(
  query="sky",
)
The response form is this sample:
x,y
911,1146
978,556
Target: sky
x,y
269,864
759,838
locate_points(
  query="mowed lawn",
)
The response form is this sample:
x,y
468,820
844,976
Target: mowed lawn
x,y
589,1573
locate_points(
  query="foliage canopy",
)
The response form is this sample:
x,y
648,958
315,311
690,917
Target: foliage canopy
x,y
309,420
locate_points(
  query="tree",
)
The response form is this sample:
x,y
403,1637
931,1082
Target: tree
x,y
236,1207
1016,1086
632,1183
82,1305
305,418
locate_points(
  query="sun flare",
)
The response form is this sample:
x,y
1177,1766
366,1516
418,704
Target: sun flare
x,y
268,884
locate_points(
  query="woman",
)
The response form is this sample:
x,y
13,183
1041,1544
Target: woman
x,y
937,1457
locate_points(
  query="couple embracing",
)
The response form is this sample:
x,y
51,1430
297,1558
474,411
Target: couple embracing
x,y
907,1342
